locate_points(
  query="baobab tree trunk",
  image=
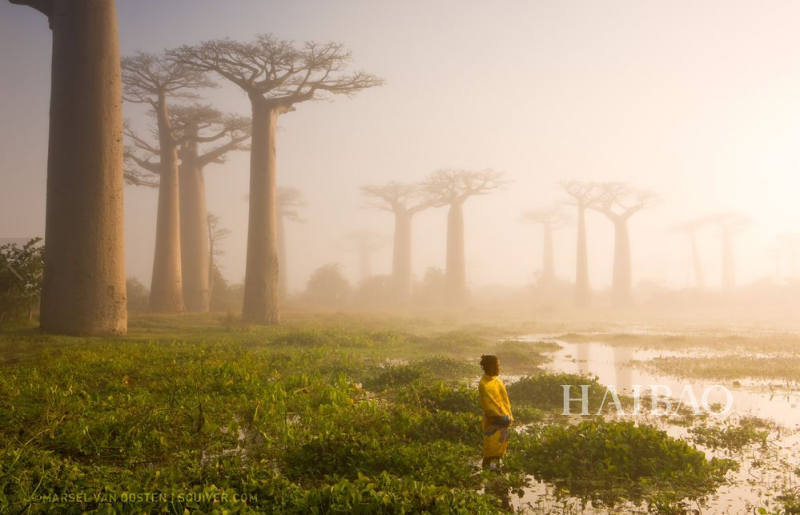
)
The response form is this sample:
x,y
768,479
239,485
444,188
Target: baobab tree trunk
x,y
582,289
455,270
166,288
401,257
621,281
83,289
699,279
195,264
283,283
728,267
548,260
261,272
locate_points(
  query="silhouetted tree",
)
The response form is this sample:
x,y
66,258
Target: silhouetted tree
x,y
365,243
404,201
551,219
154,80
328,287
582,195
730,224
619,202
276,75
690,229
215,236
448,187
289,201
83,285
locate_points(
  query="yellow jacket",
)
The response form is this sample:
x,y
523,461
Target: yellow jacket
x,y
495,403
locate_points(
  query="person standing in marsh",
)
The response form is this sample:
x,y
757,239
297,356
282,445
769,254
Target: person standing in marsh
x,y
497,417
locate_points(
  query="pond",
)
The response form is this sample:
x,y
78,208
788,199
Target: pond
x,y
765,472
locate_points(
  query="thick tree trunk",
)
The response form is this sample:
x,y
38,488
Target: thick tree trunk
x,y
455,270
583,294
83,290
401,257
195,264
283,282
621,280
261,273
728,266
166,288
548,260
699,279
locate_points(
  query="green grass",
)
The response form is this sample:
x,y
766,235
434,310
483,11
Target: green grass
x,y
322,414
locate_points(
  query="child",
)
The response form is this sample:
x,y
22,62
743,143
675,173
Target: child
x,y
496,412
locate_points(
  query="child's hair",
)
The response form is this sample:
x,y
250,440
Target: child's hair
x,y
490,365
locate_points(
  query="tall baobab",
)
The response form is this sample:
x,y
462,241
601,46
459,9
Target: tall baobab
x,y
619,202
276,75
191,126
404,201
690,229
154,80
551,219
365,243
83,288
289,201
582,195
448,187
731,224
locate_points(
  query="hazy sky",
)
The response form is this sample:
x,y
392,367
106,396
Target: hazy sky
x,y
699,101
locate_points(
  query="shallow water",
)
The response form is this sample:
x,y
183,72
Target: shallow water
x,y
764,473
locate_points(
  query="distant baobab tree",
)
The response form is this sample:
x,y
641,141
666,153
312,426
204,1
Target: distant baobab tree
x,y
276,75
365,243
731,224
404,201
154,80
289,201
551,219
582,195
619,202
83,288
215,236
448,187
191,126
690,229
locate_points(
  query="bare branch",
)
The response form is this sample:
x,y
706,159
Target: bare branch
x,y
553,217
448,186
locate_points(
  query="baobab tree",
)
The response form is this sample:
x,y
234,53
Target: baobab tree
x,y
215,236
365,243
404,201
582,195
551,219
690,229
154,80
619,202
191,126
448,187
83,287
289,201
276,75
730,224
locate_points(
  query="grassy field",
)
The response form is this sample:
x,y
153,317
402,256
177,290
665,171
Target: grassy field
x,y
322,414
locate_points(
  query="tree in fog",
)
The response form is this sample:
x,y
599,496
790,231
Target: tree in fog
x,y
289,201
215,235
276,75
582,195
452,188
730,225
551,219
365,243
154,80
404,201
83,288
192,125
690,229
619,202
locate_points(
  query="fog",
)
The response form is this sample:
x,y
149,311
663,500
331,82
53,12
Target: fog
x,y
696,102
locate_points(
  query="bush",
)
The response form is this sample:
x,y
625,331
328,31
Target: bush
x,y
328,287
20,281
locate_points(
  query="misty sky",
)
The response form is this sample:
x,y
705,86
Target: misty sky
x,y
699,101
